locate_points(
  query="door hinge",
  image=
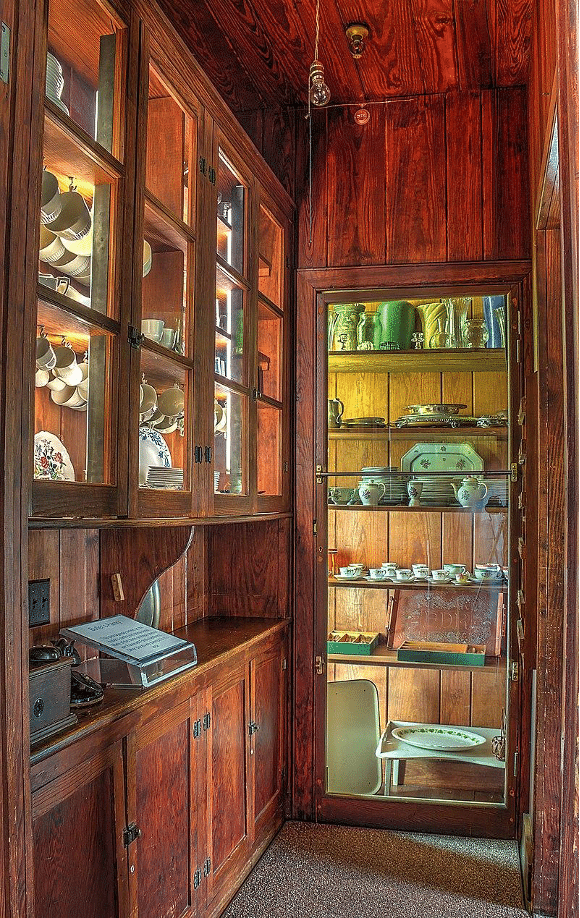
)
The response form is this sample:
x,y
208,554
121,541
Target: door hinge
x,y
206,721
208,453
319,471
286,467
284,663
196,730
211,175
319,665
315,527
131,834
197,878
136,338
516,754
253,727
198,454
514,671
5,53
207,867
202,165
514,471
283,773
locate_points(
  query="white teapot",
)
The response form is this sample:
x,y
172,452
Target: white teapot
x,y
471,492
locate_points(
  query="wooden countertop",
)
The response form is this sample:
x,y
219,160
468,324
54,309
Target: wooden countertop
x,y
216,640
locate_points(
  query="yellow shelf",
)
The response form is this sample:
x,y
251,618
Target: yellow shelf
x,y
453,360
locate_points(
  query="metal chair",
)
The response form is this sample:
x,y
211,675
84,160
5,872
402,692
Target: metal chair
x,y
352,734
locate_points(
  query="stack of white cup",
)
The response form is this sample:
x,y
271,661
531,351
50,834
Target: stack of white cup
x,y
58,369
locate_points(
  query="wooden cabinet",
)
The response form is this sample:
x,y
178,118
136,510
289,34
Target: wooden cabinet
x,y
163,285
78,822
166,810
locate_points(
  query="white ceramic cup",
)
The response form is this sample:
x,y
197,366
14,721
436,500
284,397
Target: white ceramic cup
x,y
41,378
357,566
74,220
172,402
51,246
378,573
148,401
56,384
440,574
390,567
167,425
348,572
153,329
45,356
168,337
481,573
50,198
66,359
420,570
67,397
404,573
453,569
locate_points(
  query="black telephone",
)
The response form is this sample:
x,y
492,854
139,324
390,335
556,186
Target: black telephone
x,y
84,691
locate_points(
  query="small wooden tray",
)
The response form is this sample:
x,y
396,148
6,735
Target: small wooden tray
x,y
352,642
439,652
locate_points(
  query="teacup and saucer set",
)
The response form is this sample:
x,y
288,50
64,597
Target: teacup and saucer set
x,y
351,572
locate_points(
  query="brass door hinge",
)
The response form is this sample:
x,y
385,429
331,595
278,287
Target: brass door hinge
x,y
319,471
514,471
131,834
514,671
319,665
315,527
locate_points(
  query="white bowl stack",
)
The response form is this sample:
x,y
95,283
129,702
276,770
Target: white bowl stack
x,y
168,479
395,483
436,492
54,82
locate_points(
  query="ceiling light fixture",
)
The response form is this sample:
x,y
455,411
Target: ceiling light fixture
x,y
318,91
356,35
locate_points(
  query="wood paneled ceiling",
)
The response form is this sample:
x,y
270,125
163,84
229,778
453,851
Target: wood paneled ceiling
x,y
258,52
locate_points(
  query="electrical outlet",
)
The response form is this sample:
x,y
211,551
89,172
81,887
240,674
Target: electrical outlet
x,y
38,602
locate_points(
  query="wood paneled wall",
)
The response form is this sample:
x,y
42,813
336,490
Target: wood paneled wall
x,y
428,179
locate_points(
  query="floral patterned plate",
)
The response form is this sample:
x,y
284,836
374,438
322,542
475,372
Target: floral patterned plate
x,y
153,453
438,737
429,458
51,460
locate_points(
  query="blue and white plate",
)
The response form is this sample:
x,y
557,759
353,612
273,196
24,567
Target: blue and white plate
x,y
153,452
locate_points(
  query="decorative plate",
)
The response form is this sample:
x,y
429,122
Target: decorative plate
x,y
153,451
442,457
439,738
51,459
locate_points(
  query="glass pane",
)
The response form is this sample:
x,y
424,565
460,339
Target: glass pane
x,y
419,526
269,449
269,352
229,337
73,401
230,419
83,46
270,267
170,149
230,219
165,317
163,415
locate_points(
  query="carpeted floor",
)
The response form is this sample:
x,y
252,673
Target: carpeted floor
x,y
319,871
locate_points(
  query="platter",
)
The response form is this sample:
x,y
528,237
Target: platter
x,y
153,452
441,457
438,737
51,459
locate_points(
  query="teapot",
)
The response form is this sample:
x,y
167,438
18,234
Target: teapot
x,y
334,414
471,492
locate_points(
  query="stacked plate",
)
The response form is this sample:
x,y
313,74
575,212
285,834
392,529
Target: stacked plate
x,y
170,479
54,82
437,492
497,489
360,423
395,483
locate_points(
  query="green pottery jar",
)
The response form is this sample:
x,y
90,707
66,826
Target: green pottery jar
x,y
345,338
398,324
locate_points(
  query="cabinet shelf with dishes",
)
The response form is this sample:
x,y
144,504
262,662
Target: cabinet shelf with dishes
x,y
450,360
423,508
414,585
412,433
383,656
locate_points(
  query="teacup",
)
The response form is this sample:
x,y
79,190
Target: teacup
x,y
50,198
349,572
482,573
420,570
403,573
74,219
51,246
56,384
453,569
171,402
378,573
67,397
341,495
440,574
45,356
168,337
166,425
147,401
390,567
66,365
153,329
41,378
463,577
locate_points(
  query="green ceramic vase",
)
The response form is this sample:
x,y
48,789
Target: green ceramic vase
x,y
398,324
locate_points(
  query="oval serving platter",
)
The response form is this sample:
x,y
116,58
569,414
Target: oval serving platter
x,y
438,737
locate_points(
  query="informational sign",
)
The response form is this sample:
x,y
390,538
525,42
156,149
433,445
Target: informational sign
x,y
126,639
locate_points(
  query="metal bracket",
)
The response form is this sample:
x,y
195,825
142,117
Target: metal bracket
x,y
206,721
253,727
196,730
202,165
319,471
131,834
136,338
5,53
207,867
198,454
197,878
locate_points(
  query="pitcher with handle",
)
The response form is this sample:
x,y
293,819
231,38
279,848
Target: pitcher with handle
x,y
471,492
335,412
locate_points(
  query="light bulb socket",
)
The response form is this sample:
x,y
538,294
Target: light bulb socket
x,y
356,34
318,90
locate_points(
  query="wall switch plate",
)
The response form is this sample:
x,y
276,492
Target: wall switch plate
x,y
38,602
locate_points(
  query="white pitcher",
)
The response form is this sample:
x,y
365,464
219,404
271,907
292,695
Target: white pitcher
x,y
370,494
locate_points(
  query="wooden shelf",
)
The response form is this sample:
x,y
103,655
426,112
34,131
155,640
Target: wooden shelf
x,y
382,656
421,585
452,360
412,433
403,508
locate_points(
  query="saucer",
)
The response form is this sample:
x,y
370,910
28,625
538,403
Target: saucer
x,y
378,579
445,580
493,582
342,577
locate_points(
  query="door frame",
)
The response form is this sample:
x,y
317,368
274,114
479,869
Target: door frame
x,y
309,798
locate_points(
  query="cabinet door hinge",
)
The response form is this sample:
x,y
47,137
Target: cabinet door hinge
x,y
207,867
516,754
206,721
198,454
5,53
197,878
284,663
315,527
196,730
211,174
514,471
131,834
319,665
202,165
253,727
135,337
514,671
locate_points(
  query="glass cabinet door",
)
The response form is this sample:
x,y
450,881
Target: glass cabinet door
x,y
165,397
80,290
418,525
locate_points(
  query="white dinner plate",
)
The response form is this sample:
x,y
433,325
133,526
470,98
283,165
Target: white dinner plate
x,y
438,737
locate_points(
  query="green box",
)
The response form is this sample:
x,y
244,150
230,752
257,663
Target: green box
x,y
413,652
362,643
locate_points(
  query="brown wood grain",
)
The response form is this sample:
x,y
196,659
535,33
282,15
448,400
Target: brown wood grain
x,y
474,45
312,208
268,712
435,34
416,184
513,30
463,133
244,570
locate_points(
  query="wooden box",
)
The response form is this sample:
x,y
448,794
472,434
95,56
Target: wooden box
x,y
50,699
451,654
360,643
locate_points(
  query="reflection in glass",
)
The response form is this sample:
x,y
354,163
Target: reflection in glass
x,y
230,216
72,399
170,149
229,320
229,437
269,449
164,289
269,352
270,262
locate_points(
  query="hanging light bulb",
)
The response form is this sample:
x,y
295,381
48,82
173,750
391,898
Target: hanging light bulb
x,y
319,91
